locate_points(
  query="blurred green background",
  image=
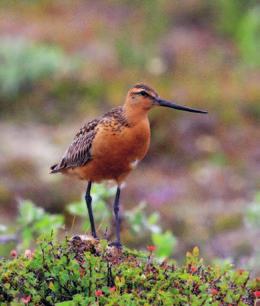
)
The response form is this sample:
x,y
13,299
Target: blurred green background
x,y
64,62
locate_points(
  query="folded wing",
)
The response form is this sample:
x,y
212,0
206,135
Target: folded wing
x,y
79,152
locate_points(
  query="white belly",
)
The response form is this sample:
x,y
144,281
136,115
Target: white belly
x,y
134,164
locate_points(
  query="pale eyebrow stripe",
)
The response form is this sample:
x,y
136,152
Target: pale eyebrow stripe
x,y
139,91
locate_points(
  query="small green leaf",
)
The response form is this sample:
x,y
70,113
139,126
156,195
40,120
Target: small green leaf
x,y
165,243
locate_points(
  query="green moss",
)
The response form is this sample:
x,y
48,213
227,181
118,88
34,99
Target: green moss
x,y
85,272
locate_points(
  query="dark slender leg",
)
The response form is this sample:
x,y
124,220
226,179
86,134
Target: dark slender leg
x,y
117,243
89,206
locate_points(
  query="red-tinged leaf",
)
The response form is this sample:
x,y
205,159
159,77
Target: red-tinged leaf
x,y
112,289
151,248
26,299
214,291
98,293
257,294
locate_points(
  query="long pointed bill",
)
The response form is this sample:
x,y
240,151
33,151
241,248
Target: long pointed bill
x,y
166,103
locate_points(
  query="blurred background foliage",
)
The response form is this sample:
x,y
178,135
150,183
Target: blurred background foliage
x,y
64,62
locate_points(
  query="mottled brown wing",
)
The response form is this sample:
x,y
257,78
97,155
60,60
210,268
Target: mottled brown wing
x,y
78,153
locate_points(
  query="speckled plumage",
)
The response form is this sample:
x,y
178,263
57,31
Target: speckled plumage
x,y
80,152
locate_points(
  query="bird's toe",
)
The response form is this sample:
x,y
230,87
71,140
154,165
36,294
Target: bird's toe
x,y
116,244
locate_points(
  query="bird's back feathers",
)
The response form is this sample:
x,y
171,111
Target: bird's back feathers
x,y
79,152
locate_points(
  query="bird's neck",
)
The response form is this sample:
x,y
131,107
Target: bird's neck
x,y
134,115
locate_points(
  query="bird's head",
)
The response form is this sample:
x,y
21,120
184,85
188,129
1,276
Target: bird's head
x,y
141,98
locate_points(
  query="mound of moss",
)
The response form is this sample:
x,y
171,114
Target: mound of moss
x,y
82,271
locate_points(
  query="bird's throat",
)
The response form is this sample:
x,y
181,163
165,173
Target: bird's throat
x,y
135,115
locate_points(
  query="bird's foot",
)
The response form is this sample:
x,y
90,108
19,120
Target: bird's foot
x,y
95,236
116,244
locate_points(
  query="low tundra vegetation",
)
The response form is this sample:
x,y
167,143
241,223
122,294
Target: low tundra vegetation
x,y
82,271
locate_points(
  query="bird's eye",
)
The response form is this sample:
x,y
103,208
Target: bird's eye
x,y
143,93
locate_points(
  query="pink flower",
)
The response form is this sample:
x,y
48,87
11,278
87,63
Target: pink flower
x,y
151,248
26,299
193,269
112,289
257,294
13,253
28,254
99,293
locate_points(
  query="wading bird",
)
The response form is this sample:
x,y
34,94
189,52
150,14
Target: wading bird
x,y
109,147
